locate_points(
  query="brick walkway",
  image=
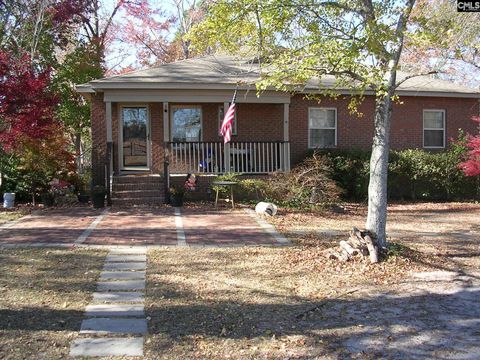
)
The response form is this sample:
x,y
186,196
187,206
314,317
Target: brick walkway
x,y
51,226
140,226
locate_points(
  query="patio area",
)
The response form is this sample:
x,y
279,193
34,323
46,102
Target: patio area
x,y
159,226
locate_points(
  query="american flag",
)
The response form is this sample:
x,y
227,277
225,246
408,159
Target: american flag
x,y
227,125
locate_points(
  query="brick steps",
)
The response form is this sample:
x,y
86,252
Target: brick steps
x,y
138,201
124,194
131,190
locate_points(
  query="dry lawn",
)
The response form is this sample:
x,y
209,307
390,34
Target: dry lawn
x,y
43,294
293,303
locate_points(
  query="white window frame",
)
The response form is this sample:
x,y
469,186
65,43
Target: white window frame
x,y
186,106
310,146
120,137
220,121
444,129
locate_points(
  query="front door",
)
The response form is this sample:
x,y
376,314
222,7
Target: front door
x,y
135,138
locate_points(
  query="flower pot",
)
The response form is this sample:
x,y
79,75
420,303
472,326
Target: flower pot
x,y
83,198
98,200
8,200
48,200
176,200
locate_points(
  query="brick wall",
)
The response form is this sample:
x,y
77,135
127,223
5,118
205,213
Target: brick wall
x,y
264,122
255,122
357,132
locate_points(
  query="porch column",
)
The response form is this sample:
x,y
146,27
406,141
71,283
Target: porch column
x,y
226,148
166,149
166,123
286,138
109,154
108,117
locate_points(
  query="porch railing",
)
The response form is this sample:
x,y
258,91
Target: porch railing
x,y
214,157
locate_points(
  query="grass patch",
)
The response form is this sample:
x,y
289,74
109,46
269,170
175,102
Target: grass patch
x,y
7,216
43,294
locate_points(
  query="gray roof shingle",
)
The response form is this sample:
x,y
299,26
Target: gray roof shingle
x,y
224,72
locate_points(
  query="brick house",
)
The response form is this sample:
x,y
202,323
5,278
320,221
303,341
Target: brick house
x,y
171,114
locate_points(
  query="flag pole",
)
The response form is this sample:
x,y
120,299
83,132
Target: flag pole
x,y
226,149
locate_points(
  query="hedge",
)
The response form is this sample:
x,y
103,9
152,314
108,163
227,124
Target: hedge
x,y
413,174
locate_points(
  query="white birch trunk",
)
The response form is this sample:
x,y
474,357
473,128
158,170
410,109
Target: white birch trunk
x,y
377,187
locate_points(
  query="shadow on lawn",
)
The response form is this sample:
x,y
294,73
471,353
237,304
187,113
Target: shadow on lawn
x,y
410,326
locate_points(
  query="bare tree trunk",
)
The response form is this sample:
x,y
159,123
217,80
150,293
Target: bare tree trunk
x,y
78,151
377,188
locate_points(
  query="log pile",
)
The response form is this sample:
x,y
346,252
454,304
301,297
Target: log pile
x,y
359,244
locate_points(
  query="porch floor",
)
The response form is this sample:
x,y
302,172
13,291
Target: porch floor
x,y
162,226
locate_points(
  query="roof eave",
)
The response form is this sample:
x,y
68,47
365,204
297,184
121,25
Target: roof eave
x,y
84,88
400,92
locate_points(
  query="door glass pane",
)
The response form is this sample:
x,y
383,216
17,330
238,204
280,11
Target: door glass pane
x,y
134,136
187,125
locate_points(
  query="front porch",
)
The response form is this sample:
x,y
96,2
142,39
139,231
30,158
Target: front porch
x,y
181,136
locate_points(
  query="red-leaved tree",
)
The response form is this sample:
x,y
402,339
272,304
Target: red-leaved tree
x,y
27,106
471,166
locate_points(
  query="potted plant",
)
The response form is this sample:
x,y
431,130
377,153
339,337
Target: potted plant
x,y
176,195
82,194
98,196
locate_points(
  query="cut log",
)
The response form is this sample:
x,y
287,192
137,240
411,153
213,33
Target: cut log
x,y
351,251
372,249
356,232
343,255
356,242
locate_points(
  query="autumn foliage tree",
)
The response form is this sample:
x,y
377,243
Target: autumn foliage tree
x,y
29,129
27,106
471,166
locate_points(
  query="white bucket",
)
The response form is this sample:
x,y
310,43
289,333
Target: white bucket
x,y
8,200
265,208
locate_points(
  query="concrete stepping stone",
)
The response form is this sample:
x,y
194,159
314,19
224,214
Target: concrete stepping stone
x,y
126,258
117,297
122,275
129,251
113,326
121,285
115,310
107,347
124,266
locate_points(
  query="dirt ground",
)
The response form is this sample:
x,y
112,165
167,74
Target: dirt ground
x,y
43,294
293,303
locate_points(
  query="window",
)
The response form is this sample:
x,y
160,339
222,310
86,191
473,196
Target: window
x,y
322,127
221,115
433,128
186,123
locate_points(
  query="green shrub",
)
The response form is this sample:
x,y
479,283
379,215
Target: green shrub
x,y
349,169
413,174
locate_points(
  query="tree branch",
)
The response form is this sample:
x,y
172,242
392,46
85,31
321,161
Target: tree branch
x,y
414,76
